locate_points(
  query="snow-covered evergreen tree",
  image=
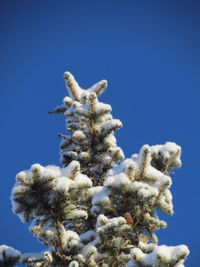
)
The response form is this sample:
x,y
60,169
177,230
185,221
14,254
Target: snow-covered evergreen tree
x,y
99,209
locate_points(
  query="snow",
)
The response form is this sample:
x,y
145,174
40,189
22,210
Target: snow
x,y
160,255
101,197
118,180
101,220
168,195
83,110
164,181
49,171
115,170
81,181
109,140
111,125
73,264
72,239
21,177
148,191
107,117
87,235
137,186
62,184
79,135
48,256
92,98
49,234
98,87
165,202
138,254
89,249
128,164
168,148
101,108
72,85
170,152
168,253
145,152
146,247
9,252
105,225
152,174
84,97
77,214
67,101
116,153
94,190
84,156
70,170
124,166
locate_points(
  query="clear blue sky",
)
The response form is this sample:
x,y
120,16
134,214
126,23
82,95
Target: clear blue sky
x,y
149,51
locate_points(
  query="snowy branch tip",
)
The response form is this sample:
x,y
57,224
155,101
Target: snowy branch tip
x,y
76,91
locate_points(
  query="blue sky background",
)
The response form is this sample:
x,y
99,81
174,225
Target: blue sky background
x,y
149,51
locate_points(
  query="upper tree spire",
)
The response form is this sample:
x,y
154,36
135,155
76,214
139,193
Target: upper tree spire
x,y
90,126
75,90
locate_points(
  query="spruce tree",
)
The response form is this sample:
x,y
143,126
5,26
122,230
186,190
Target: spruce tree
x,y
98,209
